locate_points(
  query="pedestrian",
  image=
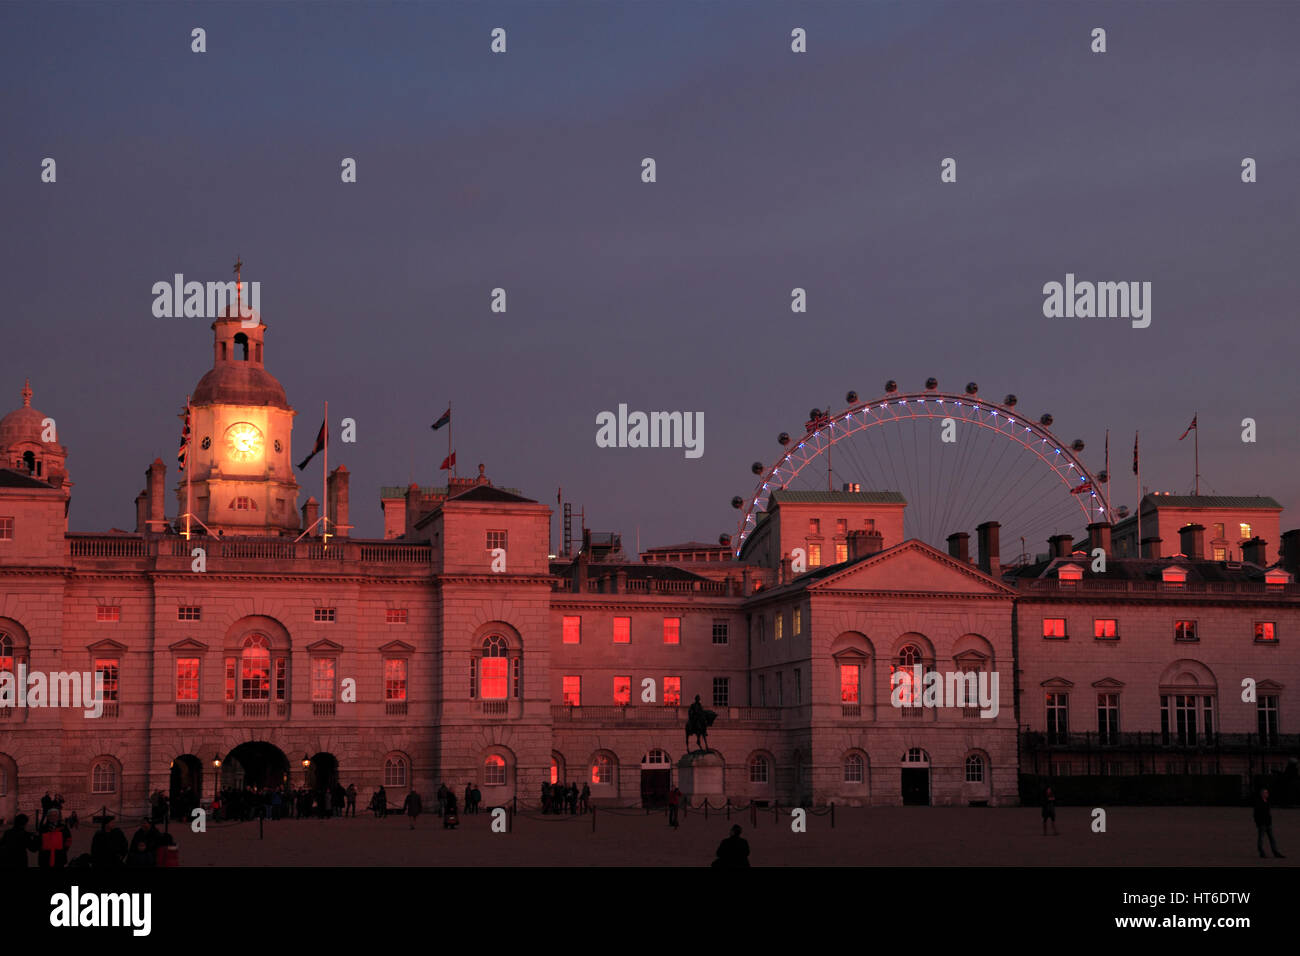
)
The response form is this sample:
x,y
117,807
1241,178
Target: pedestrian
x,y
46,804
586,798
352,799
140,854
469,798
449,818
56,839
674,801
546,797
17,843
1049,811
1264,825
734,850
108,848
413,807
477,796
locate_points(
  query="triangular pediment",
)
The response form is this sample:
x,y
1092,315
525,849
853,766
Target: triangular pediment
x,y
397,646
1268,685
189,644
107,644
1057,683
913,566
324,644
1108,683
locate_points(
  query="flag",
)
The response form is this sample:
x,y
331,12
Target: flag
x,y
185,440
444,420
557,495
1189,429
1083,489
1135,453
448,463
319,447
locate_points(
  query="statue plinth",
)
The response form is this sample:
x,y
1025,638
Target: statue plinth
x,y
699,775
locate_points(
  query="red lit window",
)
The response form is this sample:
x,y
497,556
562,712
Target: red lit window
x,y
908,657
622,691
108,612
572,630
6,653
187,678
602,769
622,630
1265,631
495,669
673,691
849,683
322,678
1054,627
230,678
672,630
395,679
573,691
395,615
255,669
109,669
555,771
281,678
494,771
1105,628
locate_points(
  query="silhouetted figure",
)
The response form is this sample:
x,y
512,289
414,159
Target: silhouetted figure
x,y
475,795
140,854
413,807
1264,825
1049,811
449,818
56,838
734,850
586,798
17,842
698,722
352,800
674,801
108,848
149,833
46,804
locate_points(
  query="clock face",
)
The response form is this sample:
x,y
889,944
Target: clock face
x,y
243,442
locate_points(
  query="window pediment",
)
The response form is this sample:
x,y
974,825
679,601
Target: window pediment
x,y
189,644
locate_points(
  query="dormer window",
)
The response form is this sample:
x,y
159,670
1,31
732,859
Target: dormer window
x,y
1069,572
1276,579
1175,577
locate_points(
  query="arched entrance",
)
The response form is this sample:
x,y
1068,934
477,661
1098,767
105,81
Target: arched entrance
x,y
255,764
323,772
656,779
916,778
186,786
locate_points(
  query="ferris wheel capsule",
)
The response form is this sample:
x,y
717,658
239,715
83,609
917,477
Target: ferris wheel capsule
x,y
783,438
891,386
931,384
1045,421
756,467
737,502
1010,401
1077,445
971,388
851,397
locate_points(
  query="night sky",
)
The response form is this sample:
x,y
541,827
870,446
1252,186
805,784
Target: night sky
x,y
775,170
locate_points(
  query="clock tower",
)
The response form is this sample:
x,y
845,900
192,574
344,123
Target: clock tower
x,y
242,480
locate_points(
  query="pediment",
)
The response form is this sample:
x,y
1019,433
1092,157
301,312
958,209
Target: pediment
x,y
188,644
397,646
1268,685
1057,683
1108,683
970,658
324,644
107,644
913,566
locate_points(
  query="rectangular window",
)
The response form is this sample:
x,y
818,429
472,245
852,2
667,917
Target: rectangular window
x,y
255,677
395,615
108,667
797,629
1265,632
108,613
1054,627
622,691
1183,716
282,678
622,630
672,630
1108,718
721,691
814,555
672,691
189,612
848,683
841,552
573,691
869,524
496,539
1217,530
762,690
322,678
1245,531
1105,628
1266,711
6,528
841,525
814,525
1058,718
230,678
325,615
1185,631
572,630
720,632
778,625
495,676
798,686
395,679
1220,554
187,678
780,690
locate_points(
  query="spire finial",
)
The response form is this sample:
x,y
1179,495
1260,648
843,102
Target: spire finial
x,y
27,393
239,286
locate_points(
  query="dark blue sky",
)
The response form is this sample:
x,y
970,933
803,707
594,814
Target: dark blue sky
x,y
775,171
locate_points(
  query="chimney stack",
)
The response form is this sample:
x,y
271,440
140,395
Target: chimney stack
x,y
1255,551
338,502
1192,541
580,571
412,508
959,546
990,549
1099,536
310,514
1291,552
1060,545
1150,547
863,544
142,511
157,477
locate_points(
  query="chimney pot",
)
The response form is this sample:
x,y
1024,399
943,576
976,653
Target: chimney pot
x,y
1192,541
1255,551
990,549
1060,545
1150,547
1099,536
959,546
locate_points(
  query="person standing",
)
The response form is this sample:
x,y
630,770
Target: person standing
x,y
734,850
17,843
1049,811
674,801
413,807
586,798
352,799
1264,825
476,795
108,848
56,839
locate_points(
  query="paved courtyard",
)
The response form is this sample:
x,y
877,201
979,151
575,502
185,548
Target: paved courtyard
x,y
887,836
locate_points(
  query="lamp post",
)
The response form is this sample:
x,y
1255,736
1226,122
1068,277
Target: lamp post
x,y
216,776
306,771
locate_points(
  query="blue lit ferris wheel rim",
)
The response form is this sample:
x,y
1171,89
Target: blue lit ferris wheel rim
x,y
914,406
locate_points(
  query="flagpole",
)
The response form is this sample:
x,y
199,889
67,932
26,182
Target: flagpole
x,y
1107,498
325,480
1137,460
189,494
1196,461
451,472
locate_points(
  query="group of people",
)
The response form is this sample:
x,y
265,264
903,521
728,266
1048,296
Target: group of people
x,y
561,798
109,848
284,802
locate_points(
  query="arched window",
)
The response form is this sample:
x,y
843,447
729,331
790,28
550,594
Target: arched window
x,y
909,656
853,768
255,668
495,670
974,769
758,769
103,777
656,759
916,755
555,771
494,771
395,771
602,769
6,653
241,347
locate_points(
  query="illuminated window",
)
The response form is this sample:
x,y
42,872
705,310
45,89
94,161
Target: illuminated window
x,y
395,679
602,769
672,630
1220,554
255,668
572,691
797,629
189,612
1185,631
108,613
495,669
496,539
103,777
622,691
841,552
395,771
622,630
494,770
853,768
721,691
555,771
1245,531
6,528
109,669
1054,627
322,678
6,653
849,683
778,625
187,678
230,678
395,615
720,632
974,769
758,769
325,615
672,691
572,630
281,678
814,555
1105,628
243,503
1265,632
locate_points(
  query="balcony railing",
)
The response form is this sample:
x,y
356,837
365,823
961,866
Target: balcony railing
x,y
495,708
395,708
187,708
322,708
1157,587
850,710
112,708
147,547
1156,740
660,716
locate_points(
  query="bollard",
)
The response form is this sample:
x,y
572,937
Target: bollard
x,y
753,815
593,819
